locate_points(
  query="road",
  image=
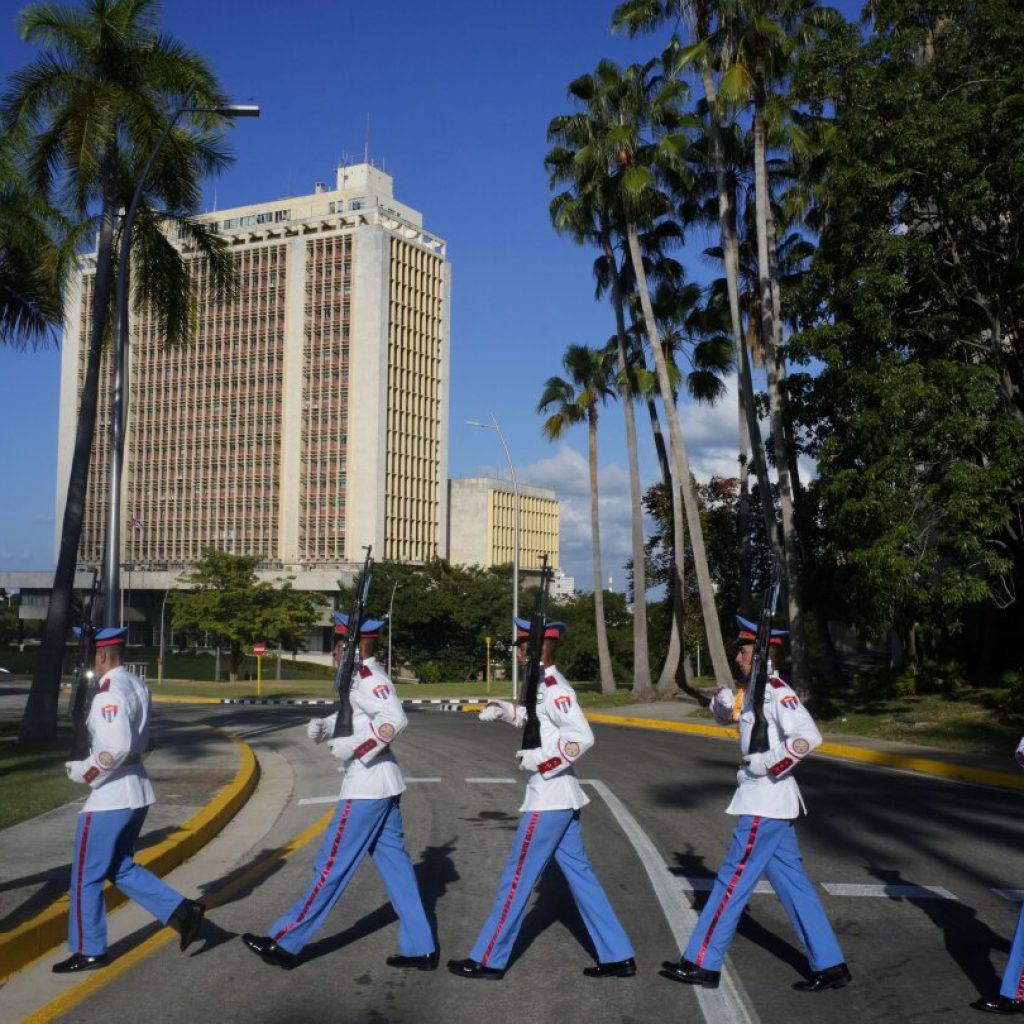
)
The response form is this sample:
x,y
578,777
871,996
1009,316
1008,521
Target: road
x,y
910,868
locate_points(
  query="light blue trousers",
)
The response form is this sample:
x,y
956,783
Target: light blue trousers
x,y
542,835
1013,976
359,827
104,847
762,846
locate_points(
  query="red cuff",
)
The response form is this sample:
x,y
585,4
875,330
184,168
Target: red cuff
x,y
91,774
549,765
365,747
780,766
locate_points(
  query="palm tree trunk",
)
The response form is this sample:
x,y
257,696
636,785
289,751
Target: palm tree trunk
x,y
604,659
39,721
641,656
681,471
769,334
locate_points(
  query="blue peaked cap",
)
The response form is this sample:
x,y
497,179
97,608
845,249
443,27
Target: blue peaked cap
x,y
748,631
551,629
106,637
367,628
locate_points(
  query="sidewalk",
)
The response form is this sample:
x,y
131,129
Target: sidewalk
x,y
201,776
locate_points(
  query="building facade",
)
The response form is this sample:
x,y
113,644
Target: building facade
x,y
481,525
309,416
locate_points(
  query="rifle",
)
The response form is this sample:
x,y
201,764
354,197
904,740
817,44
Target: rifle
x,y
82,688
531,732
347,662
759,662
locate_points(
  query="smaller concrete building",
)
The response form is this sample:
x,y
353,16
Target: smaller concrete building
x,y
481,523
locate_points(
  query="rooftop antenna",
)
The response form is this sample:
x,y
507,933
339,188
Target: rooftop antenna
x,y
366,140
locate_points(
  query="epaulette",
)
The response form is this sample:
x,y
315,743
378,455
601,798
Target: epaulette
x,y
777,683
104,686
364,672
550,680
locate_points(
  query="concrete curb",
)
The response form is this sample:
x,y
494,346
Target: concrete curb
x,y
48,929
845,751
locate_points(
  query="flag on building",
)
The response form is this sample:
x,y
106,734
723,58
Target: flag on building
x,y
136,523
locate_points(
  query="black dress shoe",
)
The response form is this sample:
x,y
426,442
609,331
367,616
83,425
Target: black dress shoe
x,y
615,969
80,962
426,962
471,969
831,977
269,951
685,971
1000,1004
187,920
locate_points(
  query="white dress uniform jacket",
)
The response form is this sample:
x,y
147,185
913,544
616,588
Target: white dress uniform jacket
x,y
565,736
766,785
118,724
372,772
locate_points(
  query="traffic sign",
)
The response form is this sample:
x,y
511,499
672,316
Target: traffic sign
x,y
259,649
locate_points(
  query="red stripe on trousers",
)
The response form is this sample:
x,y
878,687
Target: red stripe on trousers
x,y
78,885
527,839
323,874
1020,985
733,882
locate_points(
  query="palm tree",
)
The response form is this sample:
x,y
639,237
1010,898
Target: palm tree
x,y
94,104
575,400
32,262
637,145
582,212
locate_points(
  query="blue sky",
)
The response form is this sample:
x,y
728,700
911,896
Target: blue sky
x,y
453,99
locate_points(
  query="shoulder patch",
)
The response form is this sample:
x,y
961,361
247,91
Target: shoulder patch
x,y
550,680
364,672
777,683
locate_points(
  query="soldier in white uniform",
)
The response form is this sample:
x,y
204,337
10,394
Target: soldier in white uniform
x,y
367,821
766,802
111,820
549,827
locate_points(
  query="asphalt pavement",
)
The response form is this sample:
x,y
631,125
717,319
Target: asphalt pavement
x,y
204,777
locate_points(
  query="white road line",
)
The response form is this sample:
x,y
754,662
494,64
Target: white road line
x,y
1013,895
727,1004
909,892
684,884
486,781
424,778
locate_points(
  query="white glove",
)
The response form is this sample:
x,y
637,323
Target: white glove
x,y
318,730
498,710
76,770
724,698
344,749
755,765
1020,752
529,759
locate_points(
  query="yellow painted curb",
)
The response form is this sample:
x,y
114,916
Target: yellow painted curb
x,y
886,758
185,700
47,930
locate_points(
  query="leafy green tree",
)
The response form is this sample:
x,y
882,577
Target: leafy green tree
x,y
224,597
914,308
91,108
576,400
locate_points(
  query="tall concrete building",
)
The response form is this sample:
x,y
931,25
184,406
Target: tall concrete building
x,y
308,418
481,527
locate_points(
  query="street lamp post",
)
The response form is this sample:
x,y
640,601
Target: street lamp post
x,y
493,425
118,410
160,666
391,605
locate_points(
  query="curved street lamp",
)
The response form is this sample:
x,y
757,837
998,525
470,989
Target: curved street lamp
x,y
493,425
112,568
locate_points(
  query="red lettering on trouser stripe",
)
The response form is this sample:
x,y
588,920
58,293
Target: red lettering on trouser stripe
x,y
527,839
78,885
332,856
733,882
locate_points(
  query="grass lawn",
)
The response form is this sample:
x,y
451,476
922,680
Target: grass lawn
x,y
32,778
